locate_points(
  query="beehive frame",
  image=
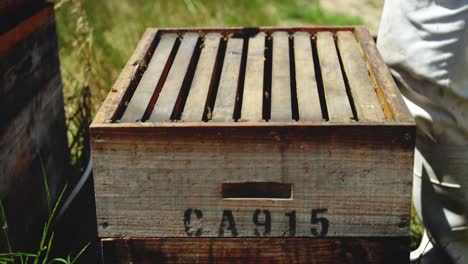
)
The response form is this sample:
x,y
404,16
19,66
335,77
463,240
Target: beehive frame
x,y
343,61
385,88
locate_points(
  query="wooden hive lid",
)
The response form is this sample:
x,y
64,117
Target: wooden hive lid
x,y
262,75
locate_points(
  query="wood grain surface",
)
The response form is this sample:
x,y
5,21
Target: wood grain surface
x,y
306,84
197,191
146,178
376,69
170,91
150,80
42,15
113,106
33,139
252,102
392,102
203,80
256,250
281,109
28,60
339,108
364,95
223,110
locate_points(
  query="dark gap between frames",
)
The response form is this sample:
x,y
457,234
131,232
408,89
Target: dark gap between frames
x,y
241,81
345,79
182,97
268,190
292,78
318,77
268,67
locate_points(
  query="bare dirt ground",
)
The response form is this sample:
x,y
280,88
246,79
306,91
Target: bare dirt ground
x,y
368,10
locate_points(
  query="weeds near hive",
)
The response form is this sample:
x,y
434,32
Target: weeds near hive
x,y
42,255
78,40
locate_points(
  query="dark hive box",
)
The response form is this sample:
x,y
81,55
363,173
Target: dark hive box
x,y
295,134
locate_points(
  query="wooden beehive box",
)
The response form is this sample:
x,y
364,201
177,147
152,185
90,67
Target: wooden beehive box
x,y
287,133
33,140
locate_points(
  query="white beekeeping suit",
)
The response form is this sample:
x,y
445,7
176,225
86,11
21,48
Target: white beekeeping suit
x,y
425,42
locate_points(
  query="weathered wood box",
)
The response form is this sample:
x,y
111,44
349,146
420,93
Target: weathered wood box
x,y
33,139
296,134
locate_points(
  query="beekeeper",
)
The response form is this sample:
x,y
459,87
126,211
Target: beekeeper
x,y
425,44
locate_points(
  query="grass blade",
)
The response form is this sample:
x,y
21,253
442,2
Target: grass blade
x,y
49,246
5,226
45,231
46,184
61,260
16,254
80,253
6,260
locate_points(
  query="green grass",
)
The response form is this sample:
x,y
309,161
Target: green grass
x,y
416,229
42,255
